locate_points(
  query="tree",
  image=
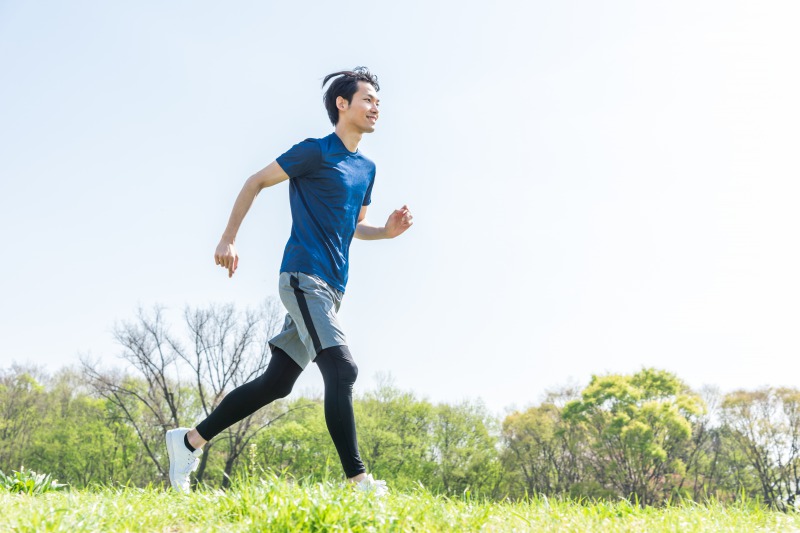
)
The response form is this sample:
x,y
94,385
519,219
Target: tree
x,y
78,441
229,349
530,449
542,454
394,431
299,443
714,468
638,427
464,449
174,386
765,427
22,404
53,424
153,399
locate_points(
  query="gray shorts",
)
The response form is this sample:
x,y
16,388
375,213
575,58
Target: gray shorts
x,y
311,323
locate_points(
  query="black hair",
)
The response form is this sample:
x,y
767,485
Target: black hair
x,y
345,85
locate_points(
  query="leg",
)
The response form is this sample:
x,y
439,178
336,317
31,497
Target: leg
x,y
339,373
241,402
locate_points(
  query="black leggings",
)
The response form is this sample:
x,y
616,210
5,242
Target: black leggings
x,y
339,373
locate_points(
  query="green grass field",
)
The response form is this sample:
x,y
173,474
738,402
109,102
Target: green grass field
x,y
279,505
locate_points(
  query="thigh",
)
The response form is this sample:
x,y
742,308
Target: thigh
x,y
282,370
313,306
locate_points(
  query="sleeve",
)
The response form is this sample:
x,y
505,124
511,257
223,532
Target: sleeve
x,y
300,159
368,194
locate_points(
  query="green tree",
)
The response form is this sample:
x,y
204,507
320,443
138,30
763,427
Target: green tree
x,y
23,400
75,436
714,466
299,443
638,426
764,426
464,450
542,453
394,435
77,441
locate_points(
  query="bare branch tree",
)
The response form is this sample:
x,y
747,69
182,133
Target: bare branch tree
x,y
229,349
178,381
154,400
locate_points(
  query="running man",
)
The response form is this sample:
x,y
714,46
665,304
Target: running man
x,y
330,187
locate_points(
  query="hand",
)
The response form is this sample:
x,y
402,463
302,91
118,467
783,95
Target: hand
x,y
399,221
226,256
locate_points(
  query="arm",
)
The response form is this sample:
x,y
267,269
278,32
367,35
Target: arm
x,y
225,255
398,222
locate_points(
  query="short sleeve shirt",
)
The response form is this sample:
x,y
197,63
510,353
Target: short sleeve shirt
x,y
328,186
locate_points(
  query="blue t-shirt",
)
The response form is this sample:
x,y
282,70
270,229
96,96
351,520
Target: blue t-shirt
x,y
328,186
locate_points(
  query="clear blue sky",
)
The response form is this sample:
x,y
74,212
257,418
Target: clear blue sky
x,y
597,186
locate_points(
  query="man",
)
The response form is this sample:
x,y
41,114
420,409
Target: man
x,y
330,188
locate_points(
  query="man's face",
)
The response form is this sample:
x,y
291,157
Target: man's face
x,y
362,112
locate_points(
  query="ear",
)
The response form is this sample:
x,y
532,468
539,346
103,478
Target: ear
x,y
341,103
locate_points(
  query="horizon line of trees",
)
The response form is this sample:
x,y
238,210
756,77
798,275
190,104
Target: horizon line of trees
x,y
644,436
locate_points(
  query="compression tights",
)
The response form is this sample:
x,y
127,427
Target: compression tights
x,y
339,373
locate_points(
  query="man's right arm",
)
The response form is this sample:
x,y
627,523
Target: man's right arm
x,y
225,255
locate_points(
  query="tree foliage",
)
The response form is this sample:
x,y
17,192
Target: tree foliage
x,y
639,426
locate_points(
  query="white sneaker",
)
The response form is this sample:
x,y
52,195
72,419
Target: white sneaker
x,y
182,462
373,486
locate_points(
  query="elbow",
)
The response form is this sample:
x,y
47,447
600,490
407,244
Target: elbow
x,y
255,184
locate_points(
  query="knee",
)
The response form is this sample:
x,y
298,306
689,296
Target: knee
x,y
274,386
340,357
349,372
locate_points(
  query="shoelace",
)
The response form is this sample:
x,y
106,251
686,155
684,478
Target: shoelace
x,y
191,464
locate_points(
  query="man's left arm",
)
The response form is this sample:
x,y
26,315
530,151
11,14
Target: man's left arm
x,y
397,223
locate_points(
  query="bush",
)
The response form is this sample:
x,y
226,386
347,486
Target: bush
x,y
29,482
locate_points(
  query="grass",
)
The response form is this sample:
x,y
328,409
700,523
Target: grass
x,y
279,505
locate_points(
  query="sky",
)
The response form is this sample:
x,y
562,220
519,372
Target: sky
x,y
597,187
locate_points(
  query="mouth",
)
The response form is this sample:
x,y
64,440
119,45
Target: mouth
x,y
373,118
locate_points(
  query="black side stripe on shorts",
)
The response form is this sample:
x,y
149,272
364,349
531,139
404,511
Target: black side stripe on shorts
x,y
303,305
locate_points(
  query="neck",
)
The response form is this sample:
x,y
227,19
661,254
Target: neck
x,y
348,136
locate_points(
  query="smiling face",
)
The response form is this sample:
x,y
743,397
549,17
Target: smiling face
x,y
362,112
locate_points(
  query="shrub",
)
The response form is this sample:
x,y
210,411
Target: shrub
x,y
29,482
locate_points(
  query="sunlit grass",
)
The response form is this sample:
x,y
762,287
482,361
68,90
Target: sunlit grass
x,y
280,505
